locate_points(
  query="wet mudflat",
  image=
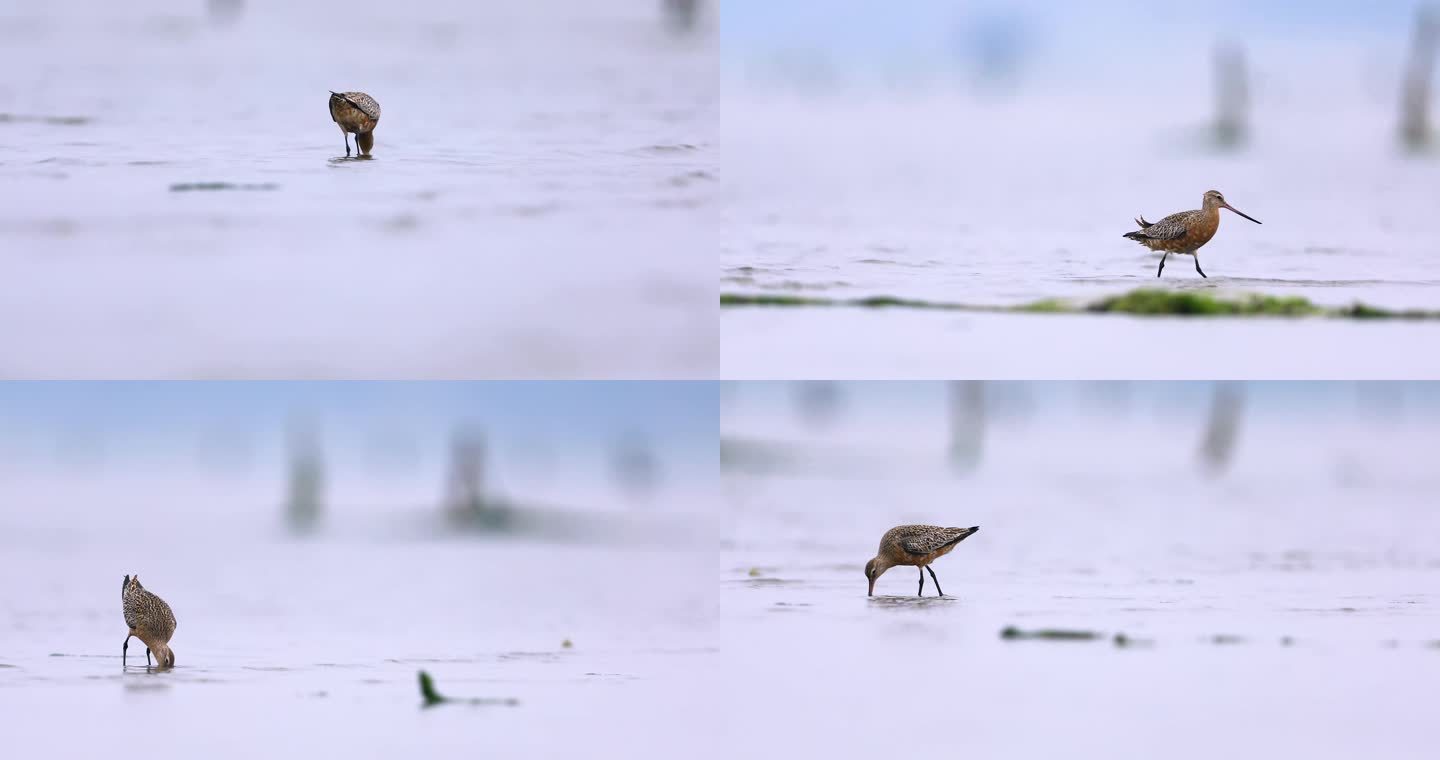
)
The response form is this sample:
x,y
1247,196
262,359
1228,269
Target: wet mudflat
x,y
178,202
1286,606
939,197
315,648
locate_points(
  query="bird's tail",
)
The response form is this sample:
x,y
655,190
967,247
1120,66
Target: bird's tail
x,y
1139,234
968,532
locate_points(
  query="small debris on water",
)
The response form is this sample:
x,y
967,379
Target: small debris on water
x,y
754,572
59,120
182,187
567,643
1123,641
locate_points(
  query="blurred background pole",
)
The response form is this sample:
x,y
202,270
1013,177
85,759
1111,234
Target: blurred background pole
x,y
1232,96
225,11
817,402
1415,93
681,14
307,477
1217,447
636,467
967,423
465,483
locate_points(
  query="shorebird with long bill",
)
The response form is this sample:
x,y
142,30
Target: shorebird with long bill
x,y
1185,232
916,545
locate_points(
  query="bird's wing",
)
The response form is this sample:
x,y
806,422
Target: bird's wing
x,y
924,542
363,102
1170,228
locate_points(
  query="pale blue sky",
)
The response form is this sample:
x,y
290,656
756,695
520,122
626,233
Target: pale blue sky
x,y
674,414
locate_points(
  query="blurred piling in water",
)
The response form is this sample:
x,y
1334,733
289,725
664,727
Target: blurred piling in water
x,y
306,477
1232,96
993,46
1419,71
967,424
1217,447
225,11
817,402
469,507
635,466
465,481
681,15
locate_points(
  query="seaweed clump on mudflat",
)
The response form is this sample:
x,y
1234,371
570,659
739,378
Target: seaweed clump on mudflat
x,y
432,697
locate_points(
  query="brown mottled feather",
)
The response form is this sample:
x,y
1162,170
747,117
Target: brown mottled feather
x,y
908,543
149,617
355,112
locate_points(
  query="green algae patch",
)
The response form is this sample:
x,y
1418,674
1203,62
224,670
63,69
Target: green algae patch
x,y
1149,301
735,299
1143,302
1046,306
427,690
890,302
1011,633
432,697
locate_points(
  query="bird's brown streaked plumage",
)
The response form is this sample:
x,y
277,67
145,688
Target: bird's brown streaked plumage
x,y
150,620
917,545
1184,233
357,114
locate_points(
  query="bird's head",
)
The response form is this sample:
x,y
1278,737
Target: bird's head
x,y
1214,200
873,570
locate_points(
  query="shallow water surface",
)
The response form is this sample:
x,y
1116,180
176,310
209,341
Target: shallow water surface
x,y
1283,605
178,202
944,198
315,647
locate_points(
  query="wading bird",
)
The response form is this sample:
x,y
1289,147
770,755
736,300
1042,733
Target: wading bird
x,y
917,545
150,620
356,113
1185,232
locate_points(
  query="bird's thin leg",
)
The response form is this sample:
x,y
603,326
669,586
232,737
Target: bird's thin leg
x,y
921,592
1162,263
347,144
937,580
147,657
123,649
1197,266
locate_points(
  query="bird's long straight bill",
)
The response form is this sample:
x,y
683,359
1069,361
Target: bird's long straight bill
x,y
1241,213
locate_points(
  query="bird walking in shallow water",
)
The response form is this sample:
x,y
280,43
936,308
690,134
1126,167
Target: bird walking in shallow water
x,y
356,113
1185,232
150,620
917,545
